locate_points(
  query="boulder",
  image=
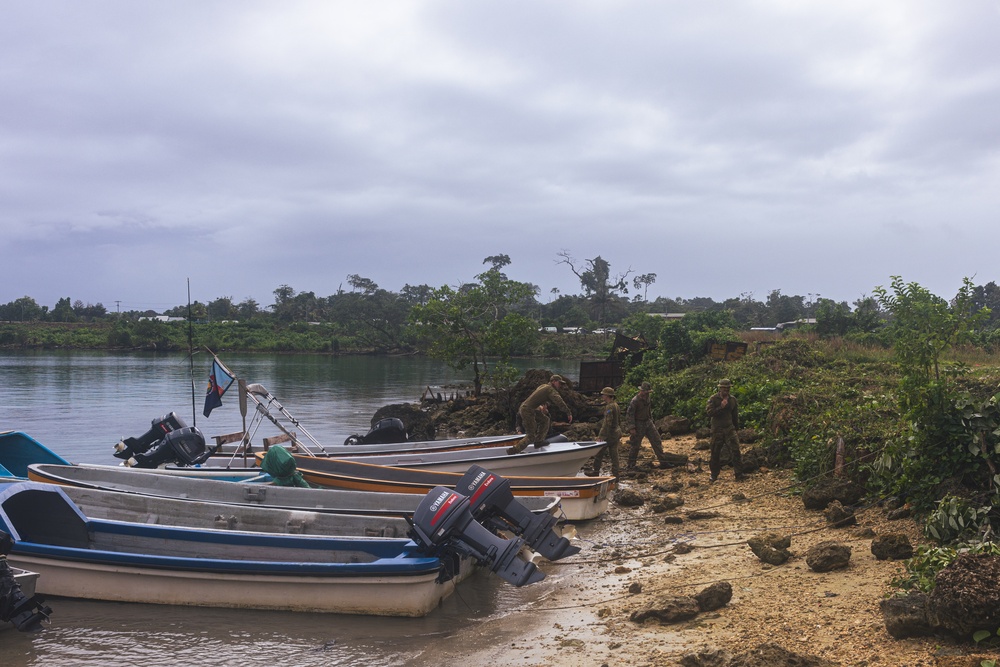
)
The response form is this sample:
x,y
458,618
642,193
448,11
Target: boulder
x,y
906,616
628,498
674,425
828,556
671,501
706,657
892,546
838,516
773,655
828,489
966,597
771,548
715,596
669,609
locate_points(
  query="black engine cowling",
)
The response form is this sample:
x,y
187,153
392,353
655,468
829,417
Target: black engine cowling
x,y
443,521
185,446
385,431
27,614
129,447
493,504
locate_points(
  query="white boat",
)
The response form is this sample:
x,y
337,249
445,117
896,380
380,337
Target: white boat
x,y
221,495
78,556
560,459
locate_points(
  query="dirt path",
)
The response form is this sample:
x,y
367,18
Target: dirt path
x,y
581,614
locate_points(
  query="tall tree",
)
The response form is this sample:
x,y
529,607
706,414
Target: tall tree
x,y
599,286
467,325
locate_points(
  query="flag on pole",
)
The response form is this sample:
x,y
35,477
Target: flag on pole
x,y
219,380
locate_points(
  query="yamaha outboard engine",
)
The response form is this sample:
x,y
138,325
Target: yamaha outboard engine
x,y
443,521
27,614
493,504
385,431
184,446
129,447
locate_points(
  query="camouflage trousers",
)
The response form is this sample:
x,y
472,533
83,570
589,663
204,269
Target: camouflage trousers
x,y
536,428
725,440
644,429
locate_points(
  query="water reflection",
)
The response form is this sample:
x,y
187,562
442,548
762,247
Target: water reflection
x,y
80,403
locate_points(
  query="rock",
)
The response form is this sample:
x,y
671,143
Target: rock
x,y
702,445
828,489
893,503
672,486
673,519
674,425
828,556
772,655
706,658
771,548
906,616
900,513
864,533
635,588
702,514
668,502
628,498
683,548
715,596
966,597
671,460
838,516
669,609
752,459
892,546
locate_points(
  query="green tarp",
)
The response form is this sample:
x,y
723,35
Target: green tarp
x,y
280,464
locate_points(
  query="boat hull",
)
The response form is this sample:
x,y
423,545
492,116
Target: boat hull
x,y
253,494
581,498
377,596
77,556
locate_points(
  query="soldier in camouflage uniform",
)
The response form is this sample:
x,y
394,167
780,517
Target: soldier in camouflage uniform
x,y
530,419
639,418
610,433
724,415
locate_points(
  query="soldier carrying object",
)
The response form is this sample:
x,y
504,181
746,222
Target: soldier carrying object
x,y
530,419
639,418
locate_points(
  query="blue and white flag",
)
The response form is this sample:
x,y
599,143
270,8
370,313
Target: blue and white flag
x,y
220,379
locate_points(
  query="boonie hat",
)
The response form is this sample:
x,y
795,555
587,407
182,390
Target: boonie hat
x,y
725,383
556,378
645,386
608,391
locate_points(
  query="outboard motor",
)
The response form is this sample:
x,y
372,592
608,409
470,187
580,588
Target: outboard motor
x,y
129,447
385,431
443,522
184,446
27,614
493,504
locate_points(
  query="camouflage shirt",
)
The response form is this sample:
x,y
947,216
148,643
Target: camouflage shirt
x,y
611,426
545,393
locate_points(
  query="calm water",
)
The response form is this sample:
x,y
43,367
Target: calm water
x,y
80,403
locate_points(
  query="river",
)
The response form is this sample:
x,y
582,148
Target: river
x,y
80,403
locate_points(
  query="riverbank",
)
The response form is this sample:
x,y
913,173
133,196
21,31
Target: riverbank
x,y
633,557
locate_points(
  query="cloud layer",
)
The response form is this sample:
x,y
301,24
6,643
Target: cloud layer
x,y
734,147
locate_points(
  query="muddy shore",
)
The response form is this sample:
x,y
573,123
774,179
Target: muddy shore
x,y
580,614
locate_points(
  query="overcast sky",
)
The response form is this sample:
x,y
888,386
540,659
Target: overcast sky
x,y
728,147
